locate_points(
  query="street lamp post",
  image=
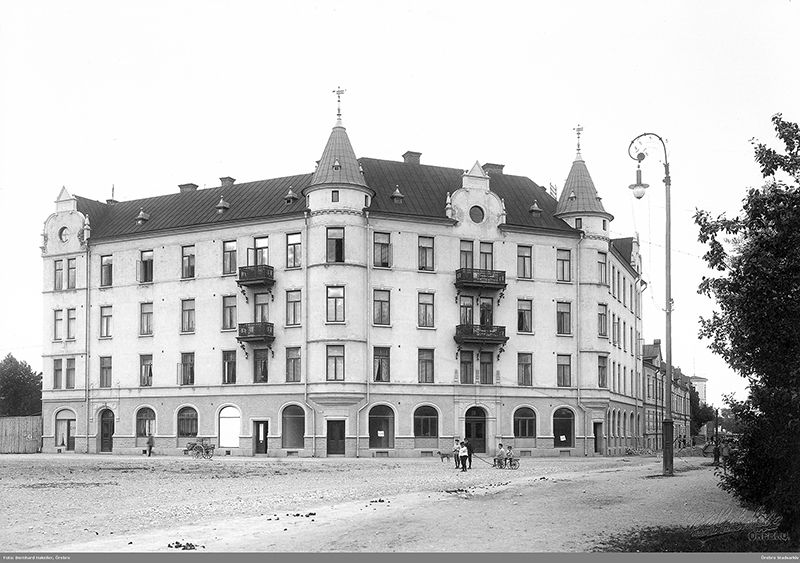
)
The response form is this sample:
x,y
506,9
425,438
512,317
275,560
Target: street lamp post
x,y
638,191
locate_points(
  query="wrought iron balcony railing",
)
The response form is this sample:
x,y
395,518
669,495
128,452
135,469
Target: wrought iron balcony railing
x,y
480,334
473,277
249,332
256,275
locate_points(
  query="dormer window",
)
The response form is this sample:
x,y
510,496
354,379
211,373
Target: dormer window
x,y
334,195
336,165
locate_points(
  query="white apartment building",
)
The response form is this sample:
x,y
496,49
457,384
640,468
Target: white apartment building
x,y
369,308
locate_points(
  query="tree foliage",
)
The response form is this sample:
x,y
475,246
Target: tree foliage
x,y
756,328
700,414
20,388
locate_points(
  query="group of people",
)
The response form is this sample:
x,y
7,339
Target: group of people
x,y
462,453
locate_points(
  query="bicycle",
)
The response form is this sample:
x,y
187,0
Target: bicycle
x,y
508,463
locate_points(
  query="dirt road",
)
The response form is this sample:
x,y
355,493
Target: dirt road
x,y
86,503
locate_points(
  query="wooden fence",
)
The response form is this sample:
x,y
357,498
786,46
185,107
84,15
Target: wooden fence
x,y
20,434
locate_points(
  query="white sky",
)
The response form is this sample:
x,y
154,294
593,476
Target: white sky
x,y
148,95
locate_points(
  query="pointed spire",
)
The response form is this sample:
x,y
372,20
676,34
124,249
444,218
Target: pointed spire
x,y
579,195
338,164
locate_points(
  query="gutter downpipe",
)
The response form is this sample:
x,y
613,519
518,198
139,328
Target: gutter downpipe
x,y
578,359
305,348
367,370
87,323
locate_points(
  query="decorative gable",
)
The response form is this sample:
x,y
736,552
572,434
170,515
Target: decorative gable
x,y
475,178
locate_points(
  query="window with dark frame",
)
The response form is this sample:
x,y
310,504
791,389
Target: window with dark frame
x,y
524,315
105,321
187,423
146,266
260,365
58,275
525,369
564,370
335,363
467,367
228,366
145,422
426,422
486,258
425,312
57,373
524,262
335,245
602,371
425,254
294,250
524,423
602,268
563,265
72,273
146,319
335,304
563,318
487,368
466,310
229,261
261,308
465,259
602,319
105,371
229,312
72,322
187,262
146,370
293,307
381,364
486,306
58,324
293,365
425,365
381,250
106,270
187,368
187,315
261,251
381,312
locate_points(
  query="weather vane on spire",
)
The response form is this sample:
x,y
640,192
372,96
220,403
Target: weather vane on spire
x,y
339,93
578,130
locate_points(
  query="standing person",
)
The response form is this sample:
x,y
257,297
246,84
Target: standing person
x,y
499,455
150,443
726,451
510,454
470,451
456,454
463,453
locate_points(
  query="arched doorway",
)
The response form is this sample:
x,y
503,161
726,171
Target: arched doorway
x,y
294,427
65,430
475,429
107,431
381,427
563,428
229,427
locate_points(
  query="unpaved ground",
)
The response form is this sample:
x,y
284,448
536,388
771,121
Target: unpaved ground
x,y
89,503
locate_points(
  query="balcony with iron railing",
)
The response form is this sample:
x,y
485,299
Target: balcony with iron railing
x,y
256,275
480,334
480,279
256,332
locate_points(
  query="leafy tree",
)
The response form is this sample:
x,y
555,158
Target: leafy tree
x,y
756,329
700,414
20,388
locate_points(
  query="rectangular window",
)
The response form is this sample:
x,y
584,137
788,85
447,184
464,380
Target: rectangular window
x,y
602,319
602,371
425,254
380,307
293,365
72,321
425,365
578,223
335,244
525,369
335,194
187,369
564,318
105,322
380,365
615,329
563,265
57,373
229,366
187,262
381,250
106,271
467,367
486,256
524,315
105,371
624,293
564,371
72,273
58,275
425,310
261,308
486,305
146,370
229,257
187,315
294,250
146,266
465,259
69,383
293,307
624,336
335,364
466,310
602,268
260,251
58,324
487,375
613,281
260,365
146,318
335,308
228,312
524,262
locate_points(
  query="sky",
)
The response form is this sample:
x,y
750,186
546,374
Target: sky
x,y
144,96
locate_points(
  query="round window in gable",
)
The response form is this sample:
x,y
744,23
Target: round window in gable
x,y
63,234
476,214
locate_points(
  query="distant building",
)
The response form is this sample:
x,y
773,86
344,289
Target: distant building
x,y
368,308
654,372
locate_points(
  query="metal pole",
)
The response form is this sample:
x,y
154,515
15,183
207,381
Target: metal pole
x,y
668,424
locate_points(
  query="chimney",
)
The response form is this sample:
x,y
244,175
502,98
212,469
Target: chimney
x,y
411,157
657,342
187,187
112,201
227,181
491,169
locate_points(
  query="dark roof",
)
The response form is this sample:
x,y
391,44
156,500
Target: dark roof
x,y
624,247
338,163
579,194
424,187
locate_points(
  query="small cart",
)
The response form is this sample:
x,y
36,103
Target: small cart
x,y
203,449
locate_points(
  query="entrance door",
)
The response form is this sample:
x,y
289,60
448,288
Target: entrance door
x,y
336,437
107,431
475,429
260,432
598,437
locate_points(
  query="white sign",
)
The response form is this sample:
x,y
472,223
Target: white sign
x,y
380,433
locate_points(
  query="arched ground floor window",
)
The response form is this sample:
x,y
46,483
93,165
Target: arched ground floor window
x,y
294,427
564,428
381,427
